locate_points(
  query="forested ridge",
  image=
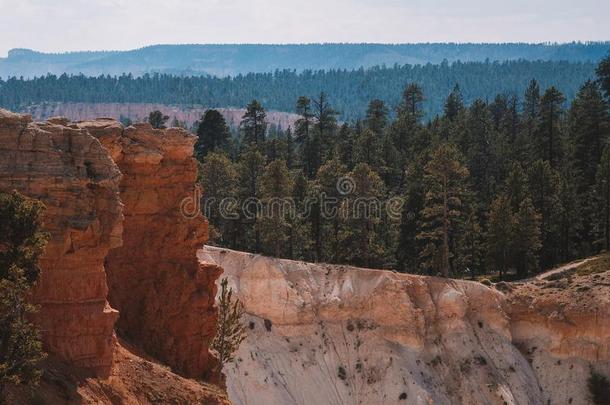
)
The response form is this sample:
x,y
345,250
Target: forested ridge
x,y
232,59
505,187
349,91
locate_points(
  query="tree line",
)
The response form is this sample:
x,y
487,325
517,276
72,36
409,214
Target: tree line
x,y
350,90
507,187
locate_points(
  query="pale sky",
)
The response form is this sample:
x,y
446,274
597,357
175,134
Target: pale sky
x,y
69,25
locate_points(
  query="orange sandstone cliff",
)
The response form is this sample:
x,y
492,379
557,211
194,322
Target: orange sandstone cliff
x,y
120,252
73,175
165,297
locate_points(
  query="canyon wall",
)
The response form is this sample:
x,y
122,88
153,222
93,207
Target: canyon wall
x,y
67,169
119,240
164,296
332,334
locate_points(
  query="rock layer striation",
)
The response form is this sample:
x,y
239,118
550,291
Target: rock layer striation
x,y
164,296
121,211
69,170
343,335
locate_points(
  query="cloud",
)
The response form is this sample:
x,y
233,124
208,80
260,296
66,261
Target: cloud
x,y
125,24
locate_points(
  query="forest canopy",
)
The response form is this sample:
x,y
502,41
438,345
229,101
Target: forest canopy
x,y
349,91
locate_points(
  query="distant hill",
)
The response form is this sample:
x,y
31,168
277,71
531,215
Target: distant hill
x,y
223,60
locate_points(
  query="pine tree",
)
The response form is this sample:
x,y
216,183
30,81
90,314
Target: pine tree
x,y
500,234
589,125
309,143
300,242
325,126
212,134
408,244
601,197
526,244
406,131
345,146
445,186
454,104
230,330
218,178
525,144
475,145
250,169
254,124
516,188
329,177
157,119
21,243
603,75
469,244
412,99
376,117
548,132
544,187
276,193
368,149
362,244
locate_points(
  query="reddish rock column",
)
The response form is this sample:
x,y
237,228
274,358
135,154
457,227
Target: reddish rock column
x,y
165,297
72,174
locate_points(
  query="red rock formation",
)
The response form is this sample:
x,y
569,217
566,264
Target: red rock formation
x,y
73,175
164,296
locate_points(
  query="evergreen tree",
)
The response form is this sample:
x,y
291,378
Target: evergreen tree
x,y
250,169
310,146
230,330
412,99
157,119
406,132
21,243
548,132
300,240
469,244
603,75
525,147
500,234
212,134
526,243
368,149
376,117
516,188
544,187
589,130
601,197
475,145
254,124
362,244
454,104
445,186
329,177
276,193
325,125
410,219
218,179
345,146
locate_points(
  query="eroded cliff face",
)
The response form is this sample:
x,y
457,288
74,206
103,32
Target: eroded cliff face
x,y
114,199
164,296
561,323
68,169
341,335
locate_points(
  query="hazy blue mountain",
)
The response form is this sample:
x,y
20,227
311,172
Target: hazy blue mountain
x,y
223,60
